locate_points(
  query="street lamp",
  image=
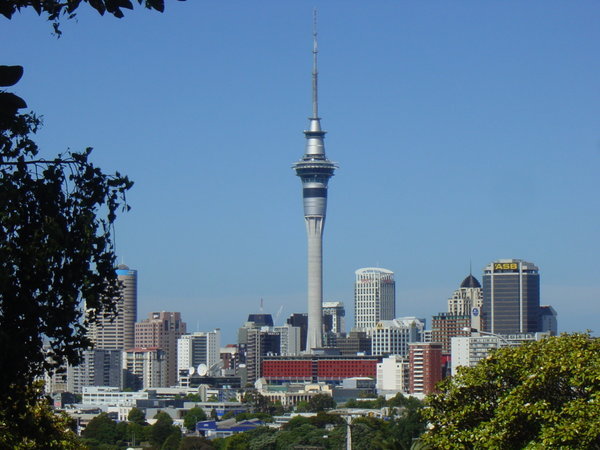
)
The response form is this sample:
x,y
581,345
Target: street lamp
x,y
487,333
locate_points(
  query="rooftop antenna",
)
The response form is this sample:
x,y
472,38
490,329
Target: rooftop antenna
x,y
261,305
470,267
315,70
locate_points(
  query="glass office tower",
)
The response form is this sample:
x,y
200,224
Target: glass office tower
x,y
511,297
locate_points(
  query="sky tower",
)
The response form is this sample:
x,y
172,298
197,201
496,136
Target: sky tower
x,y
315,170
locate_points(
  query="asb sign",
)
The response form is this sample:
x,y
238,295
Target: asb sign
x,y
501,267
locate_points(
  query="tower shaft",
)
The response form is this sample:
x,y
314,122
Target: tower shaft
x,y
314,231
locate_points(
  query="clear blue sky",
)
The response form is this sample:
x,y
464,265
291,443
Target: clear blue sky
x,y
465,131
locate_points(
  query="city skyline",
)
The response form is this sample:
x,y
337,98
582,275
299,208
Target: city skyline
x,y
466,134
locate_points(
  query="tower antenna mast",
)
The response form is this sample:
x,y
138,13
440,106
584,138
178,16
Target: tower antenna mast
x,y
315,69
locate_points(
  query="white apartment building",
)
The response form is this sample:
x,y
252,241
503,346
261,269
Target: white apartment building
x,y
393,375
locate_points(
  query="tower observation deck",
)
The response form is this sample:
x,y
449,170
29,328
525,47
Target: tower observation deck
x,y
315,170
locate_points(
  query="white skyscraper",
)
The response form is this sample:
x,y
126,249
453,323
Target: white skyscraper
x,y
374,297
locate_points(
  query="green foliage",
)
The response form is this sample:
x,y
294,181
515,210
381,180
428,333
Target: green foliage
x,y
543,394
162,428
137,432
376,403
100,430
136,415
259,403
195,443
172,442
321,402
302,406
38,427
192,398
193,416
322,419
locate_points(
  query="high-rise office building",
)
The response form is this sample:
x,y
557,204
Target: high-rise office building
x,y
199,348
117,332
161,330
374,297
511,297
315,170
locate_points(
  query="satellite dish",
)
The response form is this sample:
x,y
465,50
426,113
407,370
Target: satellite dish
x,y
202,369
191,371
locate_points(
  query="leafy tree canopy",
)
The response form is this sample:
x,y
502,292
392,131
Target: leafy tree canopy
x,y
39,427
192,417
101,429
543,394
162,428
136,415
195,443
54,10
321,402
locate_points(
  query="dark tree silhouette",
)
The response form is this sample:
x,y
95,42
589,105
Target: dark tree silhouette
x,y
56,253
54,10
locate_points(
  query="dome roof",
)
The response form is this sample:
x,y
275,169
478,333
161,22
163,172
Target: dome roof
x,y
470,282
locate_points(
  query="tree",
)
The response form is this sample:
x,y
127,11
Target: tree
x,y
56,252
195,443
101,430
55,9
192,417
162,428
136,415
172,442
44,428
257,401
321,402
543,394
